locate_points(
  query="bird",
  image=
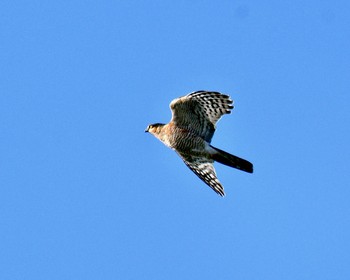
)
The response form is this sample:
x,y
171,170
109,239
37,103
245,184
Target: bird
x,y
190,131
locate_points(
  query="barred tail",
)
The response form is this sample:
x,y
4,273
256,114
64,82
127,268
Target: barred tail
x,y
231,160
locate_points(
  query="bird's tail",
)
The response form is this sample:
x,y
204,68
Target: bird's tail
x,y
231,160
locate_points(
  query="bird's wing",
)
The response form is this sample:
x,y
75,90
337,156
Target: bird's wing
x,y
199,112
205,170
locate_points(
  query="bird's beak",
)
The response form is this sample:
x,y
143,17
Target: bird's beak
x,y
146,130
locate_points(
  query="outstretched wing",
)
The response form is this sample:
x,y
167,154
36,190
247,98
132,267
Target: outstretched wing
x,y
205,170
199,112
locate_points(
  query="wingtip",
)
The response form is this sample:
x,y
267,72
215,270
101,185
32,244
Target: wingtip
x,y
220,191
222,194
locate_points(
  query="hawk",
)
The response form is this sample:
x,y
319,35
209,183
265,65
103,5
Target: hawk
x,y
190,131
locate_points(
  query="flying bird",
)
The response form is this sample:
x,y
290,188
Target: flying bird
x,y
190,131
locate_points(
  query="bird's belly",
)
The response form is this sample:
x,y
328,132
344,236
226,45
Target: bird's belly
x,y
188,144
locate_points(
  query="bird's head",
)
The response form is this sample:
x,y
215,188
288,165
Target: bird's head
x,y
154,128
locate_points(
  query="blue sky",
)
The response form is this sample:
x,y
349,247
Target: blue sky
x,y
86,194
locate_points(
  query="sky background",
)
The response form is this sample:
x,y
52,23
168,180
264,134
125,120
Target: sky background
x,y
86,194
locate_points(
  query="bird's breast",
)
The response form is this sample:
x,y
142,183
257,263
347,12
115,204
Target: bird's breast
x,y
183,141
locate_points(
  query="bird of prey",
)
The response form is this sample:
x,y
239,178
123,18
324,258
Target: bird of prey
x,y
190,131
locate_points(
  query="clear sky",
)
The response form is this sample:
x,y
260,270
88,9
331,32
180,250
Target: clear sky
x,y
86,194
